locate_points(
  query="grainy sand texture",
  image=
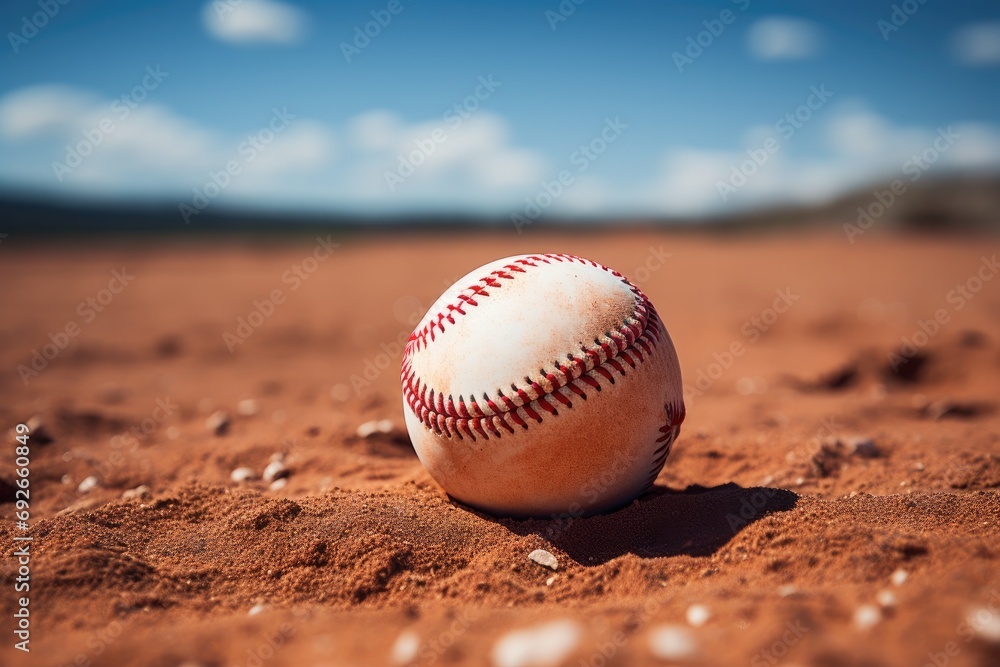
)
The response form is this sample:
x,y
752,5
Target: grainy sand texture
x,y
215,487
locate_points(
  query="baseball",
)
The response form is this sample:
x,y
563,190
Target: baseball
x,y
542,385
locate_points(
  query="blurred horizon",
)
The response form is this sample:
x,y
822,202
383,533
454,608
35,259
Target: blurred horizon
x,y
514,109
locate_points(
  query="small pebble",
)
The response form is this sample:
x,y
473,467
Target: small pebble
x,y
540,646
218,422
550,580
279,484
89,484
370,428
867,616
140,491
404,650
787,590
257,608
863,447
247,407
66,479
985,623
672,642
899,577
697,615
241,475
886,599
37,431
544,558
274,470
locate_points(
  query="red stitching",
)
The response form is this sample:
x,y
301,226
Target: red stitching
x,y
669,432
584,370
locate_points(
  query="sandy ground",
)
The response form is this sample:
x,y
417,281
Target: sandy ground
x,y
819,508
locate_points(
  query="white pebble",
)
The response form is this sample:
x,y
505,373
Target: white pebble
x,y
274,470
986,624
672,642
138,492
370,428
899,577
218,422
550,580
241,475
698,614
279,484
66,479
404,651
89,484
256,609
867,616
542,645
544,558
340,393
886,598
248,407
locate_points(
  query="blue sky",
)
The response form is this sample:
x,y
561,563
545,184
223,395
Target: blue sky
x,y
350,129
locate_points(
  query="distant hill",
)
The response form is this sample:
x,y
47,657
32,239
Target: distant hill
x,y
941,205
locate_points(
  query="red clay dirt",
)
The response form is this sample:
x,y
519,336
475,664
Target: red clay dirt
x,y
808,475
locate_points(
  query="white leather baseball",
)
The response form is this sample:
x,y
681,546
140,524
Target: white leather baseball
x,y
542,385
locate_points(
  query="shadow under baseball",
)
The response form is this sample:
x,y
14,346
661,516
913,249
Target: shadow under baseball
x,y
696,521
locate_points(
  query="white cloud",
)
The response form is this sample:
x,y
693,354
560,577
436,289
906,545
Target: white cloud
x,y
148,147
862,148
253,21
977,44
375,130
39,109
473,164
783,38
978,146
475,151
